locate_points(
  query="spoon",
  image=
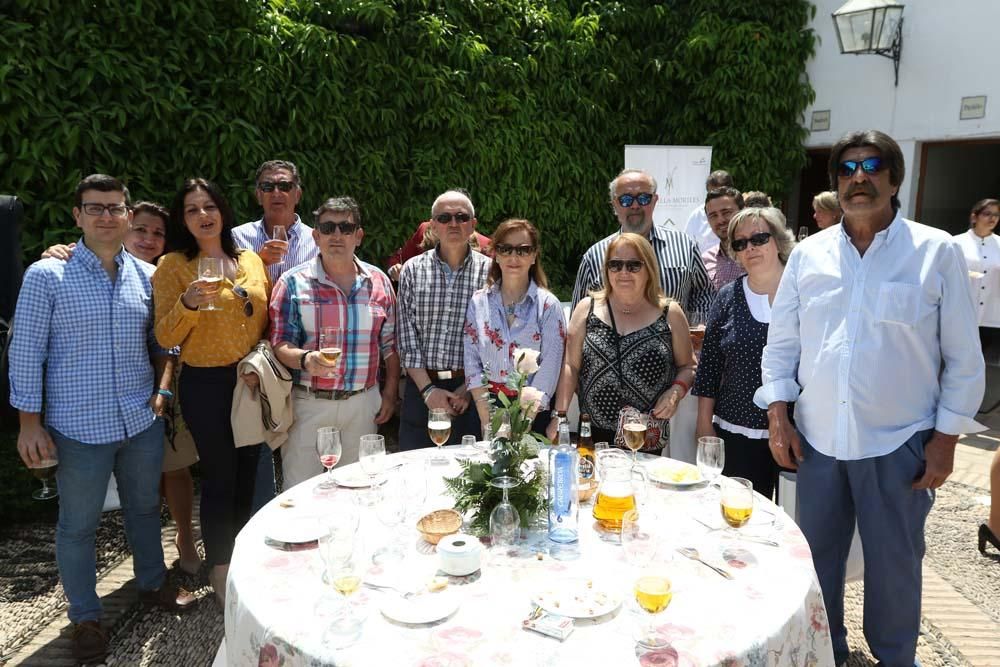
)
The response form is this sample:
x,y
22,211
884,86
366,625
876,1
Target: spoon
x,y
688,552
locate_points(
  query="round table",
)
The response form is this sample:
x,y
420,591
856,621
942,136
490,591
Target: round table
x,y
770,613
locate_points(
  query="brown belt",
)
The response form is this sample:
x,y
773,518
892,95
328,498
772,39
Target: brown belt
x,y
329,394
447,374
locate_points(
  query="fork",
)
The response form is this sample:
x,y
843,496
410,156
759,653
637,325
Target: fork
x,y
688,552
406,595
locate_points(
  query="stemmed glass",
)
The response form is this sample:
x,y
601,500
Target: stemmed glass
x,y
210,271
329,448
696,329
711,457
505,523
391,510
278,233
44,472
641,541
330,348
414,479
371,455
346,579
736,502
439,429
635,432
803,233
336,544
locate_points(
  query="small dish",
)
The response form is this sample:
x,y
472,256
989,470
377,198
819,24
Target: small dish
x,y
675,473
577,598
294,530
422,608
439,523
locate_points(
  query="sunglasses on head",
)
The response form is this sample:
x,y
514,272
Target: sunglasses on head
x,y
239,291
507,249
644,198
631,265
870,165
269,186
758,239
344,227
445,218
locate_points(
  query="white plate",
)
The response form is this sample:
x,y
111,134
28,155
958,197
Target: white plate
x,y
294,530
577,598
353,480
423,608
675,473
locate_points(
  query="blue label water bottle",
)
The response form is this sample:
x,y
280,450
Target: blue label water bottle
x,y
564,502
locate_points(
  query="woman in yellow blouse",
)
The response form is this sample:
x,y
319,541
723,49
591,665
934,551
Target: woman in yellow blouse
x,y
212,342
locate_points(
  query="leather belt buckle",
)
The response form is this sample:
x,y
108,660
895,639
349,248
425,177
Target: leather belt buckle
x,y
444,375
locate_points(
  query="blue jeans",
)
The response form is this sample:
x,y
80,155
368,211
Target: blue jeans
x,y
82,477
890,517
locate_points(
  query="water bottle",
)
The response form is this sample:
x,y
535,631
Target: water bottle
x,y
564,502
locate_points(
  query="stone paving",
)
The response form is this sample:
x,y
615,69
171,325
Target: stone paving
x,y
961,598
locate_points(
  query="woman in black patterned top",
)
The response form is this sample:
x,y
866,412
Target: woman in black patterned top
x,y
628,345
729,366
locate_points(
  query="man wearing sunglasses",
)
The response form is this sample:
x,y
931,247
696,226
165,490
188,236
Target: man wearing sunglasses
x,y
682,275
434,292
334,301
721,204
873,335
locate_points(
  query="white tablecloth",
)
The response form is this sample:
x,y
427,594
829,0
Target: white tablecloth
x,y
772,613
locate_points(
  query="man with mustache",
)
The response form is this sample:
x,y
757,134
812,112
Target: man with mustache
x,y
873,335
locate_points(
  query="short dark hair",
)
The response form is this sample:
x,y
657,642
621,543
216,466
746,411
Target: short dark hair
x,y
338,205
178,235
152,208
979,207
891,154
718,193
756,199
720,178
101,183
272,165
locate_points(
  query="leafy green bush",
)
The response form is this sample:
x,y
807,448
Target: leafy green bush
x,y
527,103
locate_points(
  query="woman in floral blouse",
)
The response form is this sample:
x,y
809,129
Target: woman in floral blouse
x,y
514,310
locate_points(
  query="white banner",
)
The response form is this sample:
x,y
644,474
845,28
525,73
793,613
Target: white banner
x,y
680,173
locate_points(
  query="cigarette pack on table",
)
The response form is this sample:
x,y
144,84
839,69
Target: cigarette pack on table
x,y
552,625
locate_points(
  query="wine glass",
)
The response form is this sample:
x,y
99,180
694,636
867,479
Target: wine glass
x,y
391,510
505,522
329,448
45,471
653,594
414,478
278,233
737,501
346,578
336,544
371,455
330,348
696,328
711,457
803,233
210,271
640,539
634,430
439,429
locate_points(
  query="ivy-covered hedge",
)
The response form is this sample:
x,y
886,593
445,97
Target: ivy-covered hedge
x,y
527,103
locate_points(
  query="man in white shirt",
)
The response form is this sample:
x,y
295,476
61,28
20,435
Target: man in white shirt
x,y
873,334
697,226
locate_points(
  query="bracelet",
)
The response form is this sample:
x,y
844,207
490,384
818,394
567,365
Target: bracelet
x,y
683,385
423,390
427,391
302,359
166,392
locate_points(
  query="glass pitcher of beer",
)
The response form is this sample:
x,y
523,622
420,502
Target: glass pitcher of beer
x,y
616,490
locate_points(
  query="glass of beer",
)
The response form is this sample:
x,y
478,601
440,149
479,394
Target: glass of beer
x,y
330,349
346,627
634,430
653,593
210,271
439,430
737,501
45,472
696,329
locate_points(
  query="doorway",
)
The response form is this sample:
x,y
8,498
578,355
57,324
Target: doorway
x,y
954,175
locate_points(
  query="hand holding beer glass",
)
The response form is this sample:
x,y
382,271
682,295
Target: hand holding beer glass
x,y
330,350
696,329
44,472
634,430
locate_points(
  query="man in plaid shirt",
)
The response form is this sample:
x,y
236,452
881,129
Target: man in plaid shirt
x,y
434,292
721,204
334,301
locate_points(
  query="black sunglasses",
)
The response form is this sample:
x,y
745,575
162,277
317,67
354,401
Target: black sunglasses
x,y
269,186
758,239
506,249
344,227
445,218
870,165
632,265
643,198
239,291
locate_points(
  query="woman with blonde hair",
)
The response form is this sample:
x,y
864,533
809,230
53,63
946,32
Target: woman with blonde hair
x,y
628,346
826,209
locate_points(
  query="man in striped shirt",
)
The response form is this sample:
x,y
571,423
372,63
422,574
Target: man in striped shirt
x,y
334,301
434,292
682,276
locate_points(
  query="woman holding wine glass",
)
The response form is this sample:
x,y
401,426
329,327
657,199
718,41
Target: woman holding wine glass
x,y
628,347
207,269
729,366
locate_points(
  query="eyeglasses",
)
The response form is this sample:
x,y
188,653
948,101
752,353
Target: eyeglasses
x,y
445,218
757,240
239,291
344,227
631,265
269,186
870,165
507,249
114,210
626,200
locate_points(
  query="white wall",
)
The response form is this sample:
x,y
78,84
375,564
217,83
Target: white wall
x,y
949,52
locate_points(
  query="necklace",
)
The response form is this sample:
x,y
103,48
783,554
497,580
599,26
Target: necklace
x,y
625,308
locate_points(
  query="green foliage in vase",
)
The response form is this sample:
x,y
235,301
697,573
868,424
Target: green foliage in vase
x,y
526,103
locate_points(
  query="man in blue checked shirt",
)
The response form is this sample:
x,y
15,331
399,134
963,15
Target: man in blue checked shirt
x,y
83,341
